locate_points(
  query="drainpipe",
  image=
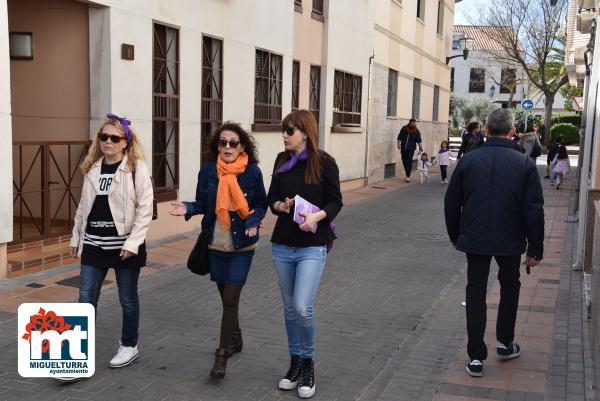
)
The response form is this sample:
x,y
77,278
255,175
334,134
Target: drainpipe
x,y
366,170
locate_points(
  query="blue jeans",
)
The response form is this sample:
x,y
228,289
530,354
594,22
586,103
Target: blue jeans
x,y
299,271
552,176
90,284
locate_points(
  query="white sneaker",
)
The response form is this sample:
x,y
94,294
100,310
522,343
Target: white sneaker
x,y
125,355
407,179
66,379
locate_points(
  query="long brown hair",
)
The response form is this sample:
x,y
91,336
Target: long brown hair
x,y
562,152
133,149
305,121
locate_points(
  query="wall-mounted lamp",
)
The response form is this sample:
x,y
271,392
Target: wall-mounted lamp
x,y
466,44
20,45
492,91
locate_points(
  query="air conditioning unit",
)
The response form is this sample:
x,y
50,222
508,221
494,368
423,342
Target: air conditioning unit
x,y
584,21
586,3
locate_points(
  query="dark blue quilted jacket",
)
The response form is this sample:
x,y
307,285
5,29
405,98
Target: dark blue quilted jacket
x,y
494,204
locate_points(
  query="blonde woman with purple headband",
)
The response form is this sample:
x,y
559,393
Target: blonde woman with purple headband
x,y
111,223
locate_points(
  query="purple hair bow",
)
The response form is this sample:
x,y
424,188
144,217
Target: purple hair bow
x,y
125,123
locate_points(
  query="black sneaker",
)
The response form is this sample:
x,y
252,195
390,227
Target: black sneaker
x,y
290,380
306,386
474,368
510,352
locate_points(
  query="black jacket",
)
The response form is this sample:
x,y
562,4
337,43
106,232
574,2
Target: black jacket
x,y
494,204
326,195
408,141
469,143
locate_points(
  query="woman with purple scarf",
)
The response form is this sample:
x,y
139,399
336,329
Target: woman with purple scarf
x,y
471,140
299,251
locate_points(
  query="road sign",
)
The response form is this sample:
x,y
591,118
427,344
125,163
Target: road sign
x,y
527,104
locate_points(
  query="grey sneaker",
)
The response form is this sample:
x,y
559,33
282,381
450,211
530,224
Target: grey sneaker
x,y
474,367
510,352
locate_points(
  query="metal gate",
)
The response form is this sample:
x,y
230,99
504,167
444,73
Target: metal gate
x,y
47,186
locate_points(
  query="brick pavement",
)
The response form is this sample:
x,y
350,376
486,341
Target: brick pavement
x,y
390,324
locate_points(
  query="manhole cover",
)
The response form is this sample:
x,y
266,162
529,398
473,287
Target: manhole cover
x,y
428,237
548,281
74,282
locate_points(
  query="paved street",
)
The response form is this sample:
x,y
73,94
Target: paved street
x,y
390,320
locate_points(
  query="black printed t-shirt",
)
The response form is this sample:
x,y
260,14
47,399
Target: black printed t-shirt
x,y
102,243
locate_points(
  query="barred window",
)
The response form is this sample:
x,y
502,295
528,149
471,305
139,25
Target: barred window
x,y
295,85
392,97
165,111
416,99
477,80
436,103
267,90
347,92
314,93
212,91
508,80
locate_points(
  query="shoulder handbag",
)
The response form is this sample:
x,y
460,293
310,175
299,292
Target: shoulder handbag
x,y
198,259
154,202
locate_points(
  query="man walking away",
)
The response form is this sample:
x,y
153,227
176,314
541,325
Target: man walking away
x,y
408,139
494,208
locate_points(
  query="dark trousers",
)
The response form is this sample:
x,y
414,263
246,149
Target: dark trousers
x,y
407,158
90,284
444,171
477,276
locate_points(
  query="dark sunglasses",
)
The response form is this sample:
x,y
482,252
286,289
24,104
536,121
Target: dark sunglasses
x,y
288,130
114,138
232,143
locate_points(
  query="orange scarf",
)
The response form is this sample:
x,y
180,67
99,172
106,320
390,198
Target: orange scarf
x,y
230,197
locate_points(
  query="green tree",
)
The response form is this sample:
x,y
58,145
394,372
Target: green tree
x,y
528,32
568,92
481,106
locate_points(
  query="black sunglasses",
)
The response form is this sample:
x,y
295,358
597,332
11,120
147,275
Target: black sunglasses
x,y
233,143
288,130
114,138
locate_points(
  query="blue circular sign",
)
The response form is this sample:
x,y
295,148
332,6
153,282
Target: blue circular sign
x,y
527,104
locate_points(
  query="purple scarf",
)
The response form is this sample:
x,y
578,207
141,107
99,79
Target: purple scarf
x,y
290,164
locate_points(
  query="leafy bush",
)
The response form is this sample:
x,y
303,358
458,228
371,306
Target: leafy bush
x,y
568,133
571,119
455,132
531,119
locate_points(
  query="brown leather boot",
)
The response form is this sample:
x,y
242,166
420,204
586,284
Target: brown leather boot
x,y
218,370
236,342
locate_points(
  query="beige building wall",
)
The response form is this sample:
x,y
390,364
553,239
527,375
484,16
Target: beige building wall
x,y
413,48
50,93
6,179
348,46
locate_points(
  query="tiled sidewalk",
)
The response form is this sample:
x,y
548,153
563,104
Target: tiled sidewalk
x,y
541,372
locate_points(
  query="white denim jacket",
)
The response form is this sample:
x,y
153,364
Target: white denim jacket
x,y
131,206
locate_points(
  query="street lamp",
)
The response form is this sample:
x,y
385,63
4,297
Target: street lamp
x,y
466,44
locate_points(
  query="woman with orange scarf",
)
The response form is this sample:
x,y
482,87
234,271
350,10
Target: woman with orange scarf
x,y
231,196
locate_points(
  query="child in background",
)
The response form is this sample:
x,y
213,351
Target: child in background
x,y
560,165
424,167
443,159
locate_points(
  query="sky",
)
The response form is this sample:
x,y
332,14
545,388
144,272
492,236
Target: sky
x,y
466,11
